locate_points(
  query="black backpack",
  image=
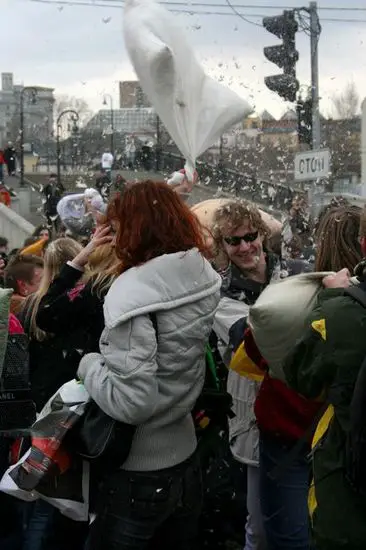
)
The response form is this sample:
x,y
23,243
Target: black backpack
x,y
17,410
356,438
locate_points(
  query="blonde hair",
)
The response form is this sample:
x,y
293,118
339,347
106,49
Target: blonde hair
x,y
103,268
57,254
231,216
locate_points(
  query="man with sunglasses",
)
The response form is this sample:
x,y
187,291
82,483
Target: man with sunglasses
x,y
247,266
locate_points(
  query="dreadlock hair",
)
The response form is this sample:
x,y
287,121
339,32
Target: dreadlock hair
x,y
337,239
334,203
362,232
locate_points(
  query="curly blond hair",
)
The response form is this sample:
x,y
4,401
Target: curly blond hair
x,y
232,215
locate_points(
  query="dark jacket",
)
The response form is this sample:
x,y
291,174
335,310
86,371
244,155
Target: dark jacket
x,y
72,316
53,194
10,158
9,155
326,362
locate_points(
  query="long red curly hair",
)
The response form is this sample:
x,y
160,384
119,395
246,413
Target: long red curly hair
x,y
153,220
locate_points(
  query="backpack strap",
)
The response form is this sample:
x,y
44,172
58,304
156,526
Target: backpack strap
x,y
358,293
211,364
220,367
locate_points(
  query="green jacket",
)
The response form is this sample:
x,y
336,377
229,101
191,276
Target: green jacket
x,y
326,363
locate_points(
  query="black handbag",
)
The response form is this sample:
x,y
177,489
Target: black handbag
x,y
100,439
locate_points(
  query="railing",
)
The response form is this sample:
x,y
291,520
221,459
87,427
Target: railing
x,y
272,195
12,226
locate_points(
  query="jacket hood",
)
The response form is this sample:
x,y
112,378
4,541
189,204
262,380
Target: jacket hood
x,y
164,283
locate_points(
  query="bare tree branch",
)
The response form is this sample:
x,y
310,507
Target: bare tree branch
x,y
346,104
79,105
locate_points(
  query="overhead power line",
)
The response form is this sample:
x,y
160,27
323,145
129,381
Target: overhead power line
x,y
119,5
235,12
238,6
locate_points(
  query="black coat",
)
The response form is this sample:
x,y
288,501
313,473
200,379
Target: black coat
x,y
10,158
9,155
53,194
72,316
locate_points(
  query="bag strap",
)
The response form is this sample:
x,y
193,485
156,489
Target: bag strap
x,y
358,293
220,367
211,364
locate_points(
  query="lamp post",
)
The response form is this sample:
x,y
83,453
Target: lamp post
x,y
158,144
22,93
112,118
75,118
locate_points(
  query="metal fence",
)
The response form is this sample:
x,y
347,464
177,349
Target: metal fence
x,y
272,195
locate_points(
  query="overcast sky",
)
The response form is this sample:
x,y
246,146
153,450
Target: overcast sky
x,y
79,50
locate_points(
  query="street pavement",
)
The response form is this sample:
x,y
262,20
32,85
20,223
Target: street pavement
x,y
35,215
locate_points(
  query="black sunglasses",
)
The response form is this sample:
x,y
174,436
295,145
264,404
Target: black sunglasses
x,y
248,238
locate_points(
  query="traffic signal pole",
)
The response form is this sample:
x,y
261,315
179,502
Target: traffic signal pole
x,y
363,148
313,195
286,84
314,39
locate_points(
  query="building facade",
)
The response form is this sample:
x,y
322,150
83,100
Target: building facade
x,y
126,121
38,112
280,133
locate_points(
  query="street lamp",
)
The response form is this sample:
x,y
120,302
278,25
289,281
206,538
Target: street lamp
x,y
158,144
33,100
112,118
75,118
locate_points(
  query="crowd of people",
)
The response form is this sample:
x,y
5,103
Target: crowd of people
x,y
139,308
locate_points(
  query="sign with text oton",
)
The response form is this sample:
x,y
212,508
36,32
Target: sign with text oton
x,y
312,165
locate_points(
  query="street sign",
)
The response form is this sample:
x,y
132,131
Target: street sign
x,y
312,165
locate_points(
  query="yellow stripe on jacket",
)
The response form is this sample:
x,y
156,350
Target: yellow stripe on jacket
x,y
244,366
320,431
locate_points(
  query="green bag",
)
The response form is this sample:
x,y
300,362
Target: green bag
x,y
5,295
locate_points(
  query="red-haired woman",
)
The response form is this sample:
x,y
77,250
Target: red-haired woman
x,y
158,317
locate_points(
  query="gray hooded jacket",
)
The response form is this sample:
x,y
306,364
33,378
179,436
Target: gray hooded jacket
x,y
148,380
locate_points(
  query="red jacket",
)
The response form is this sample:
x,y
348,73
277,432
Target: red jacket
x,y
279,410
14,326
5,197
